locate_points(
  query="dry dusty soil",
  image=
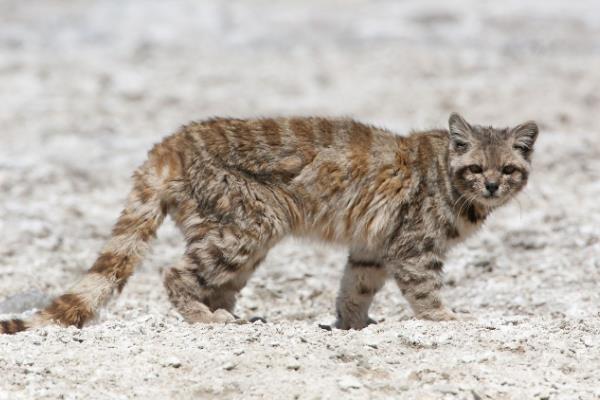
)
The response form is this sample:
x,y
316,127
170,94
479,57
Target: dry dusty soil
x,y
87,87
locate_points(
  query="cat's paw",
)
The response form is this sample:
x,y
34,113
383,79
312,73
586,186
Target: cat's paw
x,y
222,316
357,325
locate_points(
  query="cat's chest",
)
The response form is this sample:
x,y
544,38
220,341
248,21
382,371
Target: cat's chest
x,y
465,230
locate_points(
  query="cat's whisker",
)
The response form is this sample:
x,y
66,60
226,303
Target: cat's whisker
x,y
527,194
520,208
465,201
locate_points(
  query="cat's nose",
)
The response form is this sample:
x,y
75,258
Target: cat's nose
x,y
492,187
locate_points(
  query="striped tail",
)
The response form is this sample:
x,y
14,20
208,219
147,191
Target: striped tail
x,y
136,226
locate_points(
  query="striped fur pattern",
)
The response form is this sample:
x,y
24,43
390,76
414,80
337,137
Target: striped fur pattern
x,y
237,187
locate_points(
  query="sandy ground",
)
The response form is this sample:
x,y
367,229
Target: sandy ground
x,y
86,88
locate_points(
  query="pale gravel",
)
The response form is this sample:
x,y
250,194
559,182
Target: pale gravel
x,y
86,88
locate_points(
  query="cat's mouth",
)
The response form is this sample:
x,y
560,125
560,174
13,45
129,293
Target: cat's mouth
x,y
492,199
488,195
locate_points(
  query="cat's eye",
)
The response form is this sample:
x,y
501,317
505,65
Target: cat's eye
x,y
461,146
508,169
475,169
522,149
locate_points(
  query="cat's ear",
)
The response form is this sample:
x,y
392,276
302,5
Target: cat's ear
x,y
524,136
460,131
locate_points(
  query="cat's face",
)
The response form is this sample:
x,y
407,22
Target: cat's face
x,y
488,165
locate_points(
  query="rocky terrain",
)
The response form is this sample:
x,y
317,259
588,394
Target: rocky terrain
x,y
87,87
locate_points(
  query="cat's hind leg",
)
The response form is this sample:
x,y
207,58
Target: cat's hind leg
x,y
188,294
216,266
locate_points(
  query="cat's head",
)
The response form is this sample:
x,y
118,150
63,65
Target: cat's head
x,y
489,165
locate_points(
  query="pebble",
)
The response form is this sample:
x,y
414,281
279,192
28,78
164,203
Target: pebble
x,y
172,362
588,341
446,389
348,382
229,366
294,366
260,320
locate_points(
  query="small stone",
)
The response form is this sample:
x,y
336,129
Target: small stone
x,y
349,382
294,366
445,389
229,366
467,359
588,341
172,362
258,319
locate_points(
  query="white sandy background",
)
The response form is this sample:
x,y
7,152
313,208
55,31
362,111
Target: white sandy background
x,y
87,87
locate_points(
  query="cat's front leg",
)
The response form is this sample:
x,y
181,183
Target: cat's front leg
x,y
419,277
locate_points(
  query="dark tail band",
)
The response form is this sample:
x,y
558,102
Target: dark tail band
x,y
12,326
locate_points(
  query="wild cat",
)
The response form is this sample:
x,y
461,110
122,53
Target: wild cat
x,y
237,187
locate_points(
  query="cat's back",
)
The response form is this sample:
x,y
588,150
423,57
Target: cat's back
x,y
286,145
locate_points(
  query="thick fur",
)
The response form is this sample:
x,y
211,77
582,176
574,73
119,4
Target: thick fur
x,y
237,187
